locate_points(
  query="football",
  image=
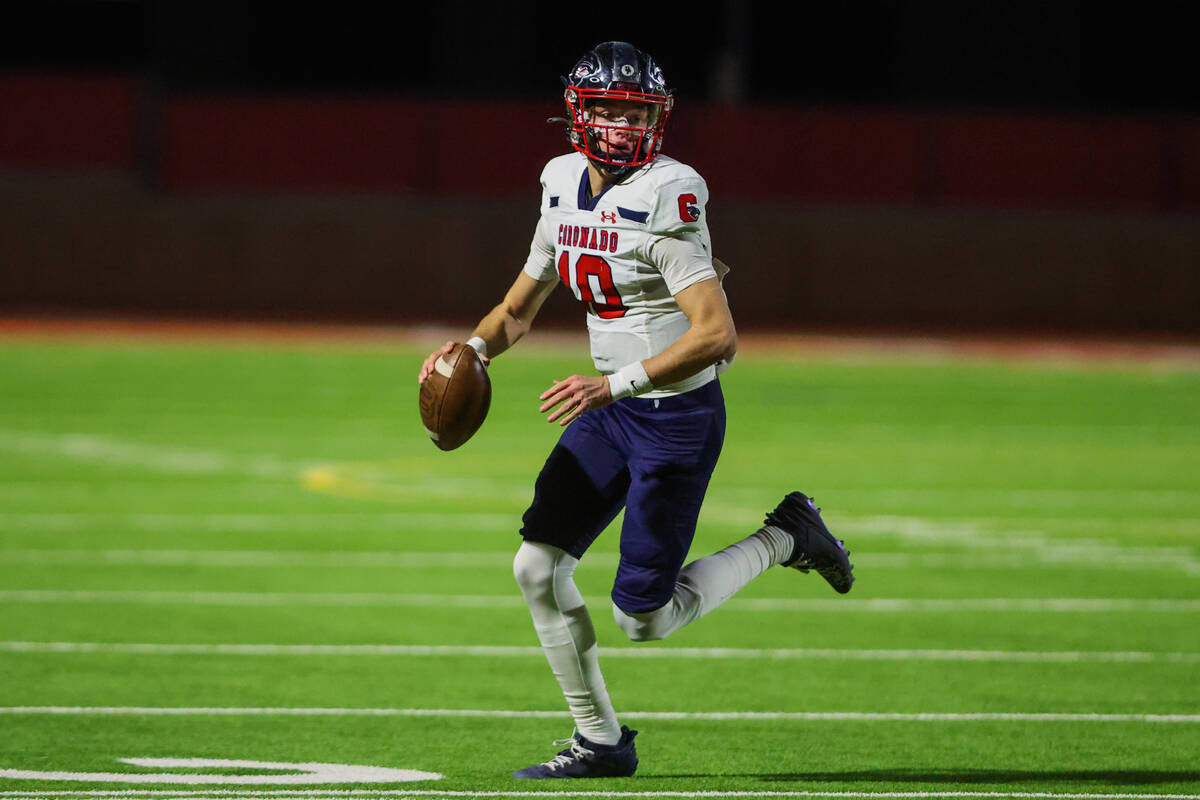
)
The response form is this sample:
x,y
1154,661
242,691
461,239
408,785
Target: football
x,y
455,397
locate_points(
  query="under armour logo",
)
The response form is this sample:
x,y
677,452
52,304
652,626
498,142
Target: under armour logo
x,y
608,216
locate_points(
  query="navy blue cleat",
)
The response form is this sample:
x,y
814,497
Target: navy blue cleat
x,y
585,759
815,547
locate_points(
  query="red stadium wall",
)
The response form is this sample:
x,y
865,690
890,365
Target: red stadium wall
x,y
62,123
404,209
844,156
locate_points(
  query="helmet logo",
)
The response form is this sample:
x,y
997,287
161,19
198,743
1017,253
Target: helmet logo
x,y
656,75
584,68
618,71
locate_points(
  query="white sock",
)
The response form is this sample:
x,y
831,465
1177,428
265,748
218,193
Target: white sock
x,y
546,577
708,582
718,577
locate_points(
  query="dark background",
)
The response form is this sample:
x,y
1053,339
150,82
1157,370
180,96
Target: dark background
x,y
968,166
1098,56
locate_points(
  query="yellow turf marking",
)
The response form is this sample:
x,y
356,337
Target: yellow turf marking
x,y
339,480
407,479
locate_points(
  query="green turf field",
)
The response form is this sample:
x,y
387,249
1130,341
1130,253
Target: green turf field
x,y
240,552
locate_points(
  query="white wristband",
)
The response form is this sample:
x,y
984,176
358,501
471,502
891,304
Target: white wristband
x,y
629,381
478,345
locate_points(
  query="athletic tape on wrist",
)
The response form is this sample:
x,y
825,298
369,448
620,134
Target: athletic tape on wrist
x,y
478,345
629,381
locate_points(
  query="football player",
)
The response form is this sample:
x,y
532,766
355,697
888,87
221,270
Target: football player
x,y
623,228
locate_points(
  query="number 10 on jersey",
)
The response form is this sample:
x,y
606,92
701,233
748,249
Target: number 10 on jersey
x,y
589,278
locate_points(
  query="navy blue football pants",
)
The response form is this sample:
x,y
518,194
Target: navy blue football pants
x,y
654,457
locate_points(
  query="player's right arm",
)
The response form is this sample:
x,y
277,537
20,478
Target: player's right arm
x,y
505,324
511,319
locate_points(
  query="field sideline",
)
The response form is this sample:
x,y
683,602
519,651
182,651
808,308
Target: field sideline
x,y
1177,353
233,566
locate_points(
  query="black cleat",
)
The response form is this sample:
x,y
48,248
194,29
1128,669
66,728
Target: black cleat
x,y
586,759
815,548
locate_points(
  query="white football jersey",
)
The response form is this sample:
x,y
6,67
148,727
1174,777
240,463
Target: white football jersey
x,y
603,250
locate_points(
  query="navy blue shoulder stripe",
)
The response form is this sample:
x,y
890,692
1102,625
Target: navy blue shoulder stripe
x,y
636,216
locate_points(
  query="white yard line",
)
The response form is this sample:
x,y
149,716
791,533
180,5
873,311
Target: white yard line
x,y
722,716
1161,605
379,479
973,604
268,558
1016,548
1055,557
153,457
985,532
375,479
987,542
105,523
399,794
650,652
328,599
966,543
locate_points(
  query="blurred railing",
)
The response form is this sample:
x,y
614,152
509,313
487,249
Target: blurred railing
x,y
451,148
418,210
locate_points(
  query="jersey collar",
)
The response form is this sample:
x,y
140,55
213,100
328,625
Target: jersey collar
x,y
584,187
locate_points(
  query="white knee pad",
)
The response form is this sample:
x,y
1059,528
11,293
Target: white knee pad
x,y
646,626
533,566
545,574
685,605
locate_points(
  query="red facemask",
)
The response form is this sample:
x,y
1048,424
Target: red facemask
x,y
615,144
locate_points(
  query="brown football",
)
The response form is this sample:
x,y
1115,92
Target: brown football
x,y
455,397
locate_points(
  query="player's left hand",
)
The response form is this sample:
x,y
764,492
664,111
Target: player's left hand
x,y
574,396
